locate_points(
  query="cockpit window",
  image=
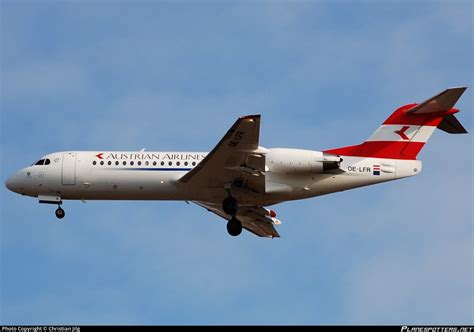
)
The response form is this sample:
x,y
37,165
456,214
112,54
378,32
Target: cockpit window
x,y
43,162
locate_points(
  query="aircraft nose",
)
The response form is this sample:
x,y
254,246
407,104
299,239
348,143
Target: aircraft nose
x,y
12,184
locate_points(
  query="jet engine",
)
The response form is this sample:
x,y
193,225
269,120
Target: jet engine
x,y
300,161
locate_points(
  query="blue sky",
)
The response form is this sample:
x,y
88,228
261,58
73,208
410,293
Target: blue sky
x,y
123,75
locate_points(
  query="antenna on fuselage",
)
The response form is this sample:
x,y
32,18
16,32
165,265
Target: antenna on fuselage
x,y
143,149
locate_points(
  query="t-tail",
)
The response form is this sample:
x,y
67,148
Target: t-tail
x,y
405,132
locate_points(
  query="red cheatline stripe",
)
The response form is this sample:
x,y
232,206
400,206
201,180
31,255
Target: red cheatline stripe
x,y
381,149
427,119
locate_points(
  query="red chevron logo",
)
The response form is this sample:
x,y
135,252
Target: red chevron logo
x,y
99,155
402,134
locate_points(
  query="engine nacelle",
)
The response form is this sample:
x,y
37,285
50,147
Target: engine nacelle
x,y
300,161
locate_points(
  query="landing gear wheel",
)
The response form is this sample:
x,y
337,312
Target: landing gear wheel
x,y
234,227
60,213
229,205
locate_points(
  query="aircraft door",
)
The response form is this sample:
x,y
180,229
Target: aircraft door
x,y
69,168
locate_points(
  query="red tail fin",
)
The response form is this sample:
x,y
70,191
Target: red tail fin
x,y
405,132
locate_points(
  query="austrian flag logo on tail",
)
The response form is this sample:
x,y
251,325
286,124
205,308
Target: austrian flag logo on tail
x,y
376,169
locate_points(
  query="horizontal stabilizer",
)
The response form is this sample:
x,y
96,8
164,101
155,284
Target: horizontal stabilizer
x,y
442,102
451,125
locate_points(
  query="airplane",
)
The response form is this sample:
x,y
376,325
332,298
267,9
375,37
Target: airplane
x,y
239,179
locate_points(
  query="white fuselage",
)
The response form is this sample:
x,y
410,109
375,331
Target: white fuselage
x,y
117,175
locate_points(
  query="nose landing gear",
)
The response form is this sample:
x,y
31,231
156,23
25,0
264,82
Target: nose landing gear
x,y
53,200
60,212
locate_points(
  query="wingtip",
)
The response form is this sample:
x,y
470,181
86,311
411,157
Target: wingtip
x,y
455,93
252,117
457,88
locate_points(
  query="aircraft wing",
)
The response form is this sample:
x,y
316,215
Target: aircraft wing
x,y
255,219
237,157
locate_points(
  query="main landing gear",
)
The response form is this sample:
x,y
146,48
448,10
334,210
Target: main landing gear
x,y
234,226
60,212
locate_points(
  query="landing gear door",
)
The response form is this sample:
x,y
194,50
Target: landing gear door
x,y
69,168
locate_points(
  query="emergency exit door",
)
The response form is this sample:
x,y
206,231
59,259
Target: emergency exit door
x,y
69,168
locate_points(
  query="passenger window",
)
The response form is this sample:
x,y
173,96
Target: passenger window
x,y
194,163
117,163
139,163
147,163
102,162
109,163
94,162
124,163
177,163
131,163
154,163
185,163
40,162
162,163
170,163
